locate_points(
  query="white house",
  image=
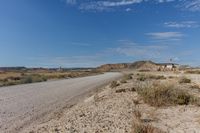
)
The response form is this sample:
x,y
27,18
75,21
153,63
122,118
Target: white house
x,y
168,66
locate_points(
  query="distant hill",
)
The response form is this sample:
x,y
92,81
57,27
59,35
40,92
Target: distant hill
x,y
108,67
12,68
144,65
139,65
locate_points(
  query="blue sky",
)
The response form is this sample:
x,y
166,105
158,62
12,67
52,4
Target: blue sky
x,y
88,33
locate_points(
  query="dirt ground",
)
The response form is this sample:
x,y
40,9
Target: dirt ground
x,y
111,110
30,104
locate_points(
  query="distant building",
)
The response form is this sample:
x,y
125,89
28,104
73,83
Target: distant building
x,y
168,66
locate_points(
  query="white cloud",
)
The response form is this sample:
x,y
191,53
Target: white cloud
x,y
71,2
140,51
118,3
166,35
154,52
107,5
128,9
183,24
161,1
111,4
69,61
191,5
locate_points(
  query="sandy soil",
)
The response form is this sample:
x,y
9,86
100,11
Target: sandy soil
x,y
24,105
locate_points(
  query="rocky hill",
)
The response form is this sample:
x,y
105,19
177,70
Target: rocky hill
x,y
144,65
109,67
139,65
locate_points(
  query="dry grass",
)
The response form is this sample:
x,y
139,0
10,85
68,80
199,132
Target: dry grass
x,y
144,70
114,84
195,86
123,81
164,94
156,77
172,77
8,78
126,77
120,90
193,72
137,115
142,128
184,80
5,75
143,77
33,78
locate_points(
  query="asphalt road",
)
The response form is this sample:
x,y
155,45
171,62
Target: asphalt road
x,y
23,105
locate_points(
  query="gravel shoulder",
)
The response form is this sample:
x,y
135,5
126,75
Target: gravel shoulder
x,y
25,105
114,110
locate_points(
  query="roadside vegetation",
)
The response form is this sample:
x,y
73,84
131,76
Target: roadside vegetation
x,y
126,77
141,103
145,128
184,80
192,72
114,84
143,77
164,94
9,78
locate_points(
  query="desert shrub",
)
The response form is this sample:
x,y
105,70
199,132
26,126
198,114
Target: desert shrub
x,y
70,75
5,80
171,77
164,95
142,78
123,81
38,78
61,76
33,78
142,128
184,80
26,80
9,83
120,90
144,70
157,77
193,71
14,78
23,74
128,77
195,86
132,89
137,115
114,84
